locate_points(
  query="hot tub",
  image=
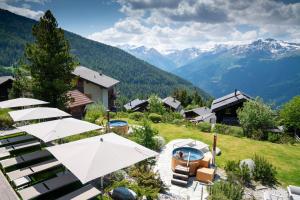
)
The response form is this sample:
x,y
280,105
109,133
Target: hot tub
x,y
193,155
119,126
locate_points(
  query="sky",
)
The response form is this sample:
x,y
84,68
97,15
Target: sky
x,y
170,24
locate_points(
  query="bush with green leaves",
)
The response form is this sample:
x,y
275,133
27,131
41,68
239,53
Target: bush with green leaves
x,y
170,116
238,173
137,116
156,105
226,191
155,117
255,116
274,137
228,130
290,114
264,171
5,120
145,135
204,126
94,111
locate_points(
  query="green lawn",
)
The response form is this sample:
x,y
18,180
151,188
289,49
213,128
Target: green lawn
x,y
286,158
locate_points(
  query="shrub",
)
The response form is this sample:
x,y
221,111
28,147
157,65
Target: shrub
x,y
204,126
155,117
159,142
122,114
264,171
228,130
178,121
256,116
274,137
285,138
145,135
94,111
137,116
112,115
156,105
290,114
226,190
237,172
5,120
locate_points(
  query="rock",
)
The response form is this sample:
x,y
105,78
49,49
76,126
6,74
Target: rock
x,y
249,163
218,151
122,193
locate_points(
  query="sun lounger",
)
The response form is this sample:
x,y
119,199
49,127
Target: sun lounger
x,y
294,192
9,141
4,155
13,175
10,132
24,158
47,186
86,192
19,146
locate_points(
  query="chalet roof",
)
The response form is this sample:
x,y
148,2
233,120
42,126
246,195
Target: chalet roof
x,y
134,103
3,79
172,102
78,99
204,116
200,110
95,77
229,100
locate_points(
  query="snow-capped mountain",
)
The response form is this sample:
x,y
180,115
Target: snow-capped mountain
x,y
151,56
266,68
167,61
183,57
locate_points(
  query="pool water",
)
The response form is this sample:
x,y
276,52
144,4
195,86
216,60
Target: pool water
x,y
116,123
195,154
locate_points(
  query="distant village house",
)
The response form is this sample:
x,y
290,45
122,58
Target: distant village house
x,y
139,105
226,107
172,104
5,85
96,86
201,114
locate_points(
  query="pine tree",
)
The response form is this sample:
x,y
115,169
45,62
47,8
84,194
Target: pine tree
x,y
50,62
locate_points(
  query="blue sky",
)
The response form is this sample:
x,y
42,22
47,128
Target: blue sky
x,y
170,24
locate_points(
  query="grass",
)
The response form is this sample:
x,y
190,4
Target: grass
x,y
285,157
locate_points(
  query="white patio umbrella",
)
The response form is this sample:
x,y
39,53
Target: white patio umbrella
x,y
94,157
21,102
56,129
37,113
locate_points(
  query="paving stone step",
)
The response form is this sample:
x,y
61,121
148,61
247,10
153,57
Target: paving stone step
x,y
182,170
179,182
180,176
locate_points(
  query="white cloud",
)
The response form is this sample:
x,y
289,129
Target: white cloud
x,y
201,23
24,11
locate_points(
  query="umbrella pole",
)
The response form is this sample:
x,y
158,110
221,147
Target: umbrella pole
x,y
214,149
101,185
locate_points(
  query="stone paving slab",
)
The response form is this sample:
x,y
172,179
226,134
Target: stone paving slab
x,y
6,191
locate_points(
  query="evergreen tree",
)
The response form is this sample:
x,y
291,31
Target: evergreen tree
x,y
22,85
50,62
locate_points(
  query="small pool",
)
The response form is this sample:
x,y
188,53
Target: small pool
x,y
195,158
195,154
117,123
119,126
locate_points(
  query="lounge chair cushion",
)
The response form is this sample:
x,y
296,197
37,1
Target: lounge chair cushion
x,y
86,192
30,170
24,158
12,140
47,186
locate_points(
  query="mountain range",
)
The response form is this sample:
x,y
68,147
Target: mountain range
x,y
138,78
267,68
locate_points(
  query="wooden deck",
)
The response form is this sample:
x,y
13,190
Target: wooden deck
x,y
6,191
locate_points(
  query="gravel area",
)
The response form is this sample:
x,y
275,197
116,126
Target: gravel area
x,y
277,193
